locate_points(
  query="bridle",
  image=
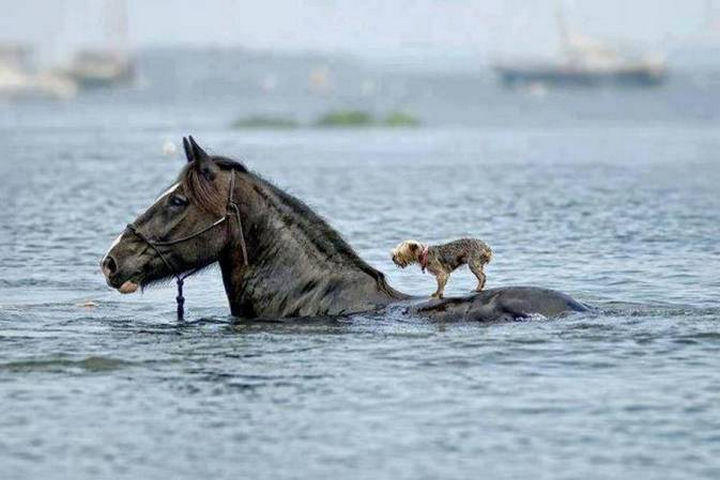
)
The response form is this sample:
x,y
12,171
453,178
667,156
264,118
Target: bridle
x,y
232,208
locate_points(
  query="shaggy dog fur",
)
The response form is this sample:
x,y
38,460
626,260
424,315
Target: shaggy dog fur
x,y
442,260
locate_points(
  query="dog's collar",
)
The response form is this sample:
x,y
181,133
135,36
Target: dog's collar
x,y
424,257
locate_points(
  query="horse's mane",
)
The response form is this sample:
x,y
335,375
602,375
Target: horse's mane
x,y
315,228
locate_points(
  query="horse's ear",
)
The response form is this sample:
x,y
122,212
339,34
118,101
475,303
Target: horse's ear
x,y
198,152
188,150
203,161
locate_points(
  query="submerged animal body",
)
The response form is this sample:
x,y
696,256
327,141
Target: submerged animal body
x,y
504,303
278,258
442,260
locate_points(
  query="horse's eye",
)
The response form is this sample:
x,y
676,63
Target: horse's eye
x,y
178,201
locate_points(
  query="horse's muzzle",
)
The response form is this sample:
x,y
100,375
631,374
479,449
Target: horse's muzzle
x,y
109,269
108,266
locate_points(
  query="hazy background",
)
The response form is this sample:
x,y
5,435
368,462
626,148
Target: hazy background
x,y
459,33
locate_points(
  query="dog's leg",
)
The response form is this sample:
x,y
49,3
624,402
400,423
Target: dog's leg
x,y
442,279
476,268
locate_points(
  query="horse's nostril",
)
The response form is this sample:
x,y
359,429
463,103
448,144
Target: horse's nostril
x,y
109,265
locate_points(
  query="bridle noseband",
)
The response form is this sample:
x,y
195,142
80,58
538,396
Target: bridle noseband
x,y
180,278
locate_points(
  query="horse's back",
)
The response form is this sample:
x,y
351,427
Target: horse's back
x,y
504,303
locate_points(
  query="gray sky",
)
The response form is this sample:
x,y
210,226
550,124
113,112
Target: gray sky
x,y
372,28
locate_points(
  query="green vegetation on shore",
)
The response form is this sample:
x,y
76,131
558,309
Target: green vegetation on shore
x,y
345,118
401,119
262,121
332,119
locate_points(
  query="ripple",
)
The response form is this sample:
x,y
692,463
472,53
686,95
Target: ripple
x,y
60,364
619,213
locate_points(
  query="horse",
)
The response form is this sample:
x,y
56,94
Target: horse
x,y
278,258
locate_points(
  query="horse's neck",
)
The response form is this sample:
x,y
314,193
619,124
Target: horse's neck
x,y
285,284
295,272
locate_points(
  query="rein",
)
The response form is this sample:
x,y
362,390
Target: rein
x,y
180,278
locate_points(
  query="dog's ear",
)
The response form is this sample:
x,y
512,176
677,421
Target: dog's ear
x,y
413,247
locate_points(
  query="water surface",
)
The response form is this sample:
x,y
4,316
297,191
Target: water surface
x,y
611,197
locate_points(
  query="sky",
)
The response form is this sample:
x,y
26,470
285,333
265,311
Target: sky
x,y
382,29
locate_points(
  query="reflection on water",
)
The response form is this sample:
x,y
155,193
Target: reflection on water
x,y
612,201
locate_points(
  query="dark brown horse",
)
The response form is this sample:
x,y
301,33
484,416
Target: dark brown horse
x,y
278,258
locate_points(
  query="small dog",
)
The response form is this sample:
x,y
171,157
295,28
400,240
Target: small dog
x,y
442,260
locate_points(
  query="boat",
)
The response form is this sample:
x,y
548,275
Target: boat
x,y
584,61
19,81
630,73
93,69
107,67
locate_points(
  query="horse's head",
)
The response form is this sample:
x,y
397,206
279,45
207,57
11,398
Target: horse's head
x,y
293,264
185,229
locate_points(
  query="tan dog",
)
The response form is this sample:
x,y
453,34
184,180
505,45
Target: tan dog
x,y
442,260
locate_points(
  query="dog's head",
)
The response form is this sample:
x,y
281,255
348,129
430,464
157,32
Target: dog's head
x,y
406,253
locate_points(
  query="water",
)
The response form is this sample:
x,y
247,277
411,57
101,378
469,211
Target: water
x,y
611,197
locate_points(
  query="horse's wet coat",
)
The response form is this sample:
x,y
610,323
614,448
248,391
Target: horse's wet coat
x,y
112,245
168,191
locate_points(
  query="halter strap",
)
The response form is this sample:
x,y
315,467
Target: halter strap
x,y
234,206
192,235
180,279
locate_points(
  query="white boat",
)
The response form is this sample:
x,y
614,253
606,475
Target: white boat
x,y
109,66
101,69
585,61
18,81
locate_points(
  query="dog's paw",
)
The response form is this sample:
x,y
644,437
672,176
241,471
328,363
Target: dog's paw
x,y
436,295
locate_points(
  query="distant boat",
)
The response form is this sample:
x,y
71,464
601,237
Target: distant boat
x,y
111,66
101,69
630,73
585,61
18,81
